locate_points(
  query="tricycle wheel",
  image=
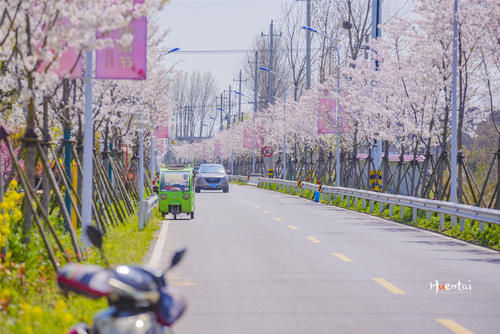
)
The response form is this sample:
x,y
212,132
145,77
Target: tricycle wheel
x,y
192,215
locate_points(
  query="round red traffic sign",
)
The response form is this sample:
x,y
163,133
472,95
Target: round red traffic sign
x,y
267,151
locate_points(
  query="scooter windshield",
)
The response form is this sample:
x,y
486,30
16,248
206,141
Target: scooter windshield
x,y
174,181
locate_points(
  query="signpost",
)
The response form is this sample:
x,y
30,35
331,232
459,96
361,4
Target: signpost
x,y
267,151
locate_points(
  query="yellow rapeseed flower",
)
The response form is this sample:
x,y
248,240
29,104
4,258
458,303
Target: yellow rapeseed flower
x,y
37,311
60,306
13,184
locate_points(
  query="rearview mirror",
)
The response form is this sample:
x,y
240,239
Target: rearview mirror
x,y
95,236
177,257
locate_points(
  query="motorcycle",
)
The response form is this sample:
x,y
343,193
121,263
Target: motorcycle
x,y
140,301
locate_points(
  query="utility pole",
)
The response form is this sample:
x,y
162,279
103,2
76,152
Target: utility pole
x,y
229,107
220,109
376,32
308,43
271,35
453,142
255,98
240,115
308,46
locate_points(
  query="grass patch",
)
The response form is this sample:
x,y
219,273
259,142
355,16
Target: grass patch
x,y
31,301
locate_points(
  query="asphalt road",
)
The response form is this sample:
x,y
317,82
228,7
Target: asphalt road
x,y
264,262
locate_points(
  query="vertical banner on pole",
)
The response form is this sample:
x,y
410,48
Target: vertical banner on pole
x,y
247,138
217,150
70,63
161,132
124,61
326,115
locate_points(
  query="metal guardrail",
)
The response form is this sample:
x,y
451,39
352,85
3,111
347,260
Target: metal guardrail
x,y
252,179
238,178
146,210
460,211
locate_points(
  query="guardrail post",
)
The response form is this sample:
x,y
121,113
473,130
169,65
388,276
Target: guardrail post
x,y
141,215
462,224
371,206
428,215
441,221
402,212
381,207
348,201
364,204
391,210
414,215
453,220
481,226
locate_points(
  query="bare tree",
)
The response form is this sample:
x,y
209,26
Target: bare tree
x,y
194,94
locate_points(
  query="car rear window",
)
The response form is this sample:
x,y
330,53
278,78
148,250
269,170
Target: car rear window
x,y
174,181
213,169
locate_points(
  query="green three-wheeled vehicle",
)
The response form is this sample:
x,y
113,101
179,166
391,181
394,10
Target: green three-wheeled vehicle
x,y
176,191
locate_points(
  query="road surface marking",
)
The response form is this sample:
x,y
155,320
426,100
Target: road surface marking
x,y
291,227
453,326
313,239
277,219
154,262
266,212
257,207
342,257
389,286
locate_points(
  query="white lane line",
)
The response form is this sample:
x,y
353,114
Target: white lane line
x,y
154,262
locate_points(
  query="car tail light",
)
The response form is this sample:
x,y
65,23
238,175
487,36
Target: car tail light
x,y
186,196
163,196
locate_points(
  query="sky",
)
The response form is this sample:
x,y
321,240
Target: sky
x,y
197,25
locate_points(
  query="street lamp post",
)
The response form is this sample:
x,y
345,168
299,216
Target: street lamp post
x,y
141,172
337,111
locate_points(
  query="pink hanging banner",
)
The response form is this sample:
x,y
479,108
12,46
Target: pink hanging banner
x,y
161,132
247,138
326,116
125,61
204,154
217,150
70,63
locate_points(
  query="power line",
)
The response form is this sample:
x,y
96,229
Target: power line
x,y
229,51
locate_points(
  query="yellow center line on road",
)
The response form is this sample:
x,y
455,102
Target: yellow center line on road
x,y
389,286
342,257
278,219
266,212
313,239
453,326
291,227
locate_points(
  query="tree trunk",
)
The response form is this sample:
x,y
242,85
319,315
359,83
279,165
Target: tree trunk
x,y
497,200
30,160
46,138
